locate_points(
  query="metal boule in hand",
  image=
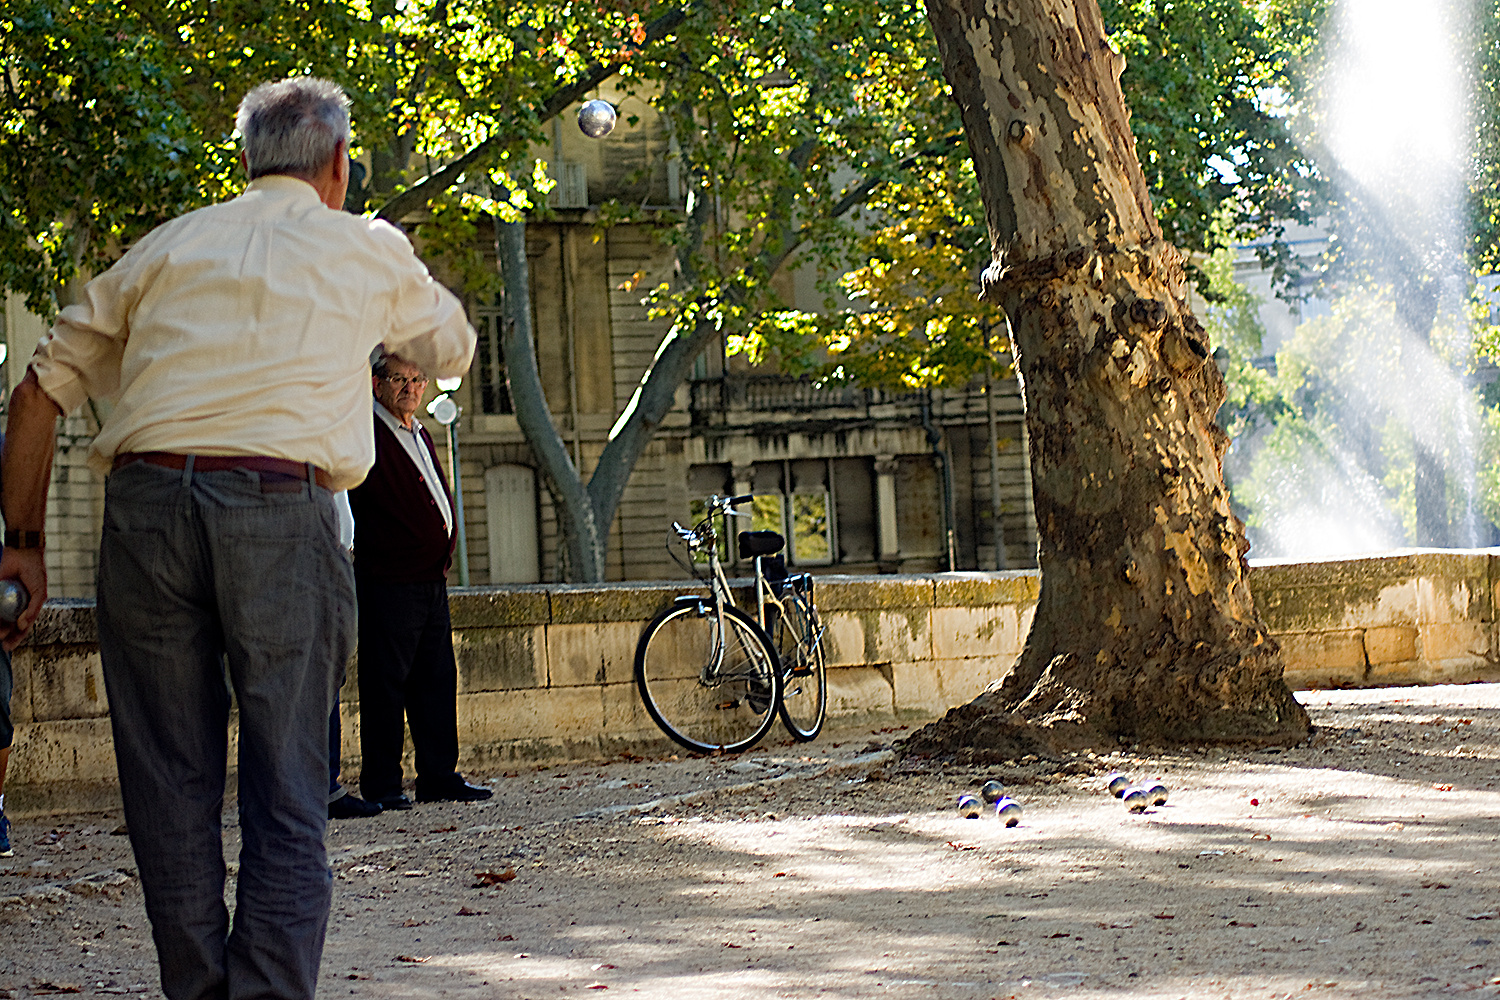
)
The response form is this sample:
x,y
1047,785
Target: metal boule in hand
x,y
13,600
596,119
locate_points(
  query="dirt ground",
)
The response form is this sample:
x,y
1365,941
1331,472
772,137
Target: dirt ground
x,y
1361,864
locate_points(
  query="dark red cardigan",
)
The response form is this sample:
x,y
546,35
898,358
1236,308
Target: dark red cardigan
x,y
399,534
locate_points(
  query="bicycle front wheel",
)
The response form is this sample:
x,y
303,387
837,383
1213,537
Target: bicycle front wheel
x,y
797,635
706,690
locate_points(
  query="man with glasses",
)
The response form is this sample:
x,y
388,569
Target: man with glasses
x,y
404,535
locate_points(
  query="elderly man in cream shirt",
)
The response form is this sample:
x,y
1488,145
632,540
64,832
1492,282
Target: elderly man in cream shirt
x,y
233,344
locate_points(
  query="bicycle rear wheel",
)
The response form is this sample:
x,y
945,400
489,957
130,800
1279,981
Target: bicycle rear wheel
x,y
797,635
704,701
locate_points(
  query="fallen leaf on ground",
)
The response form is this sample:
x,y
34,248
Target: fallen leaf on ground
x,y
1240,923
464,911
506,937
1442,788
414,959
1165,916
494,878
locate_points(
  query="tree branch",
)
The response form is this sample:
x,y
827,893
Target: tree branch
x,y
419,194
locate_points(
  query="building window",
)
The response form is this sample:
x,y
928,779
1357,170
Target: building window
x,y
489,363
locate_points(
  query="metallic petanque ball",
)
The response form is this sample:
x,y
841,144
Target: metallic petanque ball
x,y
1117,783
992,791
968,807
1158,793
1136,800
13,600
597,118
1008,811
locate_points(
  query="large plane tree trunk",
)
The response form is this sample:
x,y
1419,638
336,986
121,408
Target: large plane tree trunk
x,y
1145,626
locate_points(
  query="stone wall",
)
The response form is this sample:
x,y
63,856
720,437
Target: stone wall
x,y
546,671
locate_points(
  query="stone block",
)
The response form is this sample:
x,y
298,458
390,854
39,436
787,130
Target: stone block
x,y
1323,659
495,607
1400,672
536,714
898,635
1390,644
860,691
63,750
844,638
65,682
987,589
1454,643
918,690
636,602
962,680
500,659
64,620
988,630
591,653
861,593
625,718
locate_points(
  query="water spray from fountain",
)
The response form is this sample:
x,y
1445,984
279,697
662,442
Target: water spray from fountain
x,y
1383,448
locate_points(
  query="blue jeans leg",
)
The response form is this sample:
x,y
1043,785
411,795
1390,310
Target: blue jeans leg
x,y
194,567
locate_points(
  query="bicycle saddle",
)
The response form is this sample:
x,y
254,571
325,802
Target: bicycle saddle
x,y
760,543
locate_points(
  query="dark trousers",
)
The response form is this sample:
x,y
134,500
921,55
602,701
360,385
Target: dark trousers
x,y
406,668
203,574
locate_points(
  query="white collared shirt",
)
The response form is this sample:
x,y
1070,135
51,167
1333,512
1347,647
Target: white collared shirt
x,y
245,328
416,449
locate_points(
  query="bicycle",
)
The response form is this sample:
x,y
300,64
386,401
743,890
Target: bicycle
x,y
715,677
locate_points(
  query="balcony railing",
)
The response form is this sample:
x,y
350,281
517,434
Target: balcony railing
x,y
779,393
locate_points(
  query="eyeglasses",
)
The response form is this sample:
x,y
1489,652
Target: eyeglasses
x,y
402,381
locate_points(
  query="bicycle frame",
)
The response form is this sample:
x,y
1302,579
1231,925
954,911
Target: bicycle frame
x,y
705,536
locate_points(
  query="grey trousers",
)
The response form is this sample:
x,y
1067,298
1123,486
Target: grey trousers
x,y
202,574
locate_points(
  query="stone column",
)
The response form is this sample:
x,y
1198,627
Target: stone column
x,y
885,507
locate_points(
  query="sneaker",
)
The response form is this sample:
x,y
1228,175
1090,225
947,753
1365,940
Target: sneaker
x,y
5,851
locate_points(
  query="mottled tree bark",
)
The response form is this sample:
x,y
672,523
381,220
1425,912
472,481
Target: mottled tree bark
x,y
1145,626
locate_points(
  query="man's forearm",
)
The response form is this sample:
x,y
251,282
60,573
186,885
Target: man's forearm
x,y
26,468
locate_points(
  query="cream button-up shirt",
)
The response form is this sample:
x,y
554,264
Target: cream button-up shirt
x,y
245,328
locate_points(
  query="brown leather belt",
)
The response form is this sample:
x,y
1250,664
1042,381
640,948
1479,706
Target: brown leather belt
x,y
222,463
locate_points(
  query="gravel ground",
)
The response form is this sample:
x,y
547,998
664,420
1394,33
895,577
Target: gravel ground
x,y
1360,864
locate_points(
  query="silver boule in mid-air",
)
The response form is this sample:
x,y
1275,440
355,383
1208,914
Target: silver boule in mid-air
x,y
596,119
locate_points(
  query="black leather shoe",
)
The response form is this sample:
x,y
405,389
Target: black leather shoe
x,y
392,803
352,807
457,790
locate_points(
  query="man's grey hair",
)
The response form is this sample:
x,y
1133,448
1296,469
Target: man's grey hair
x,y
292,126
